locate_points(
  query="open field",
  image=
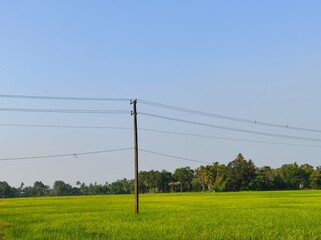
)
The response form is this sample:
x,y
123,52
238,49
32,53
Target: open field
x,y
244,215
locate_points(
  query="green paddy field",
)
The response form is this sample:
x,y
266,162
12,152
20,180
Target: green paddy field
x,y
243,215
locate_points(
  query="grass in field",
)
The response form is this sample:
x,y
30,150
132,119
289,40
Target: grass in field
x,y
245,215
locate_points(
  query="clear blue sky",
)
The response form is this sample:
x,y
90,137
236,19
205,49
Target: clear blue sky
x,y
254,60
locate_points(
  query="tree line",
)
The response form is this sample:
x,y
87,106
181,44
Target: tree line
x,y
238,175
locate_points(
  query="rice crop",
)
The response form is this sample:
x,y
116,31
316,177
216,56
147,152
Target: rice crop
x,y
242,215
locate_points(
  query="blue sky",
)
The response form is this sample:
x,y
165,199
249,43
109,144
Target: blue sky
x,y
254,60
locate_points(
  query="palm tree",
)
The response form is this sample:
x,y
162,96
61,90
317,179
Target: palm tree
x,y
199,174
208,177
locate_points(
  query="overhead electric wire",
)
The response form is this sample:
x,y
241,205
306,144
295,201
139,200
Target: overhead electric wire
x,y
64,111
153,130
160,105
226,138
64,155
62,126
63,98
171,156
213,115
232,129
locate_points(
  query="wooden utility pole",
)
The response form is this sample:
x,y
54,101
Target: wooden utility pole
x,y
134,114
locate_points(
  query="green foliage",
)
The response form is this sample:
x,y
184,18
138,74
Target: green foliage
x,y
315,180
184,177
5,190
238,175
122,186
263,180
61,189
154,181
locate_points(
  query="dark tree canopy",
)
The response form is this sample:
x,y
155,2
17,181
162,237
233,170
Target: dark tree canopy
x,y
238,175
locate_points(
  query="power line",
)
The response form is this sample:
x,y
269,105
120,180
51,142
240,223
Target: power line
x,y
187,110
154,130
191,111
65,155
62,126
172,156
232,129
64,111
226,138
62,98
